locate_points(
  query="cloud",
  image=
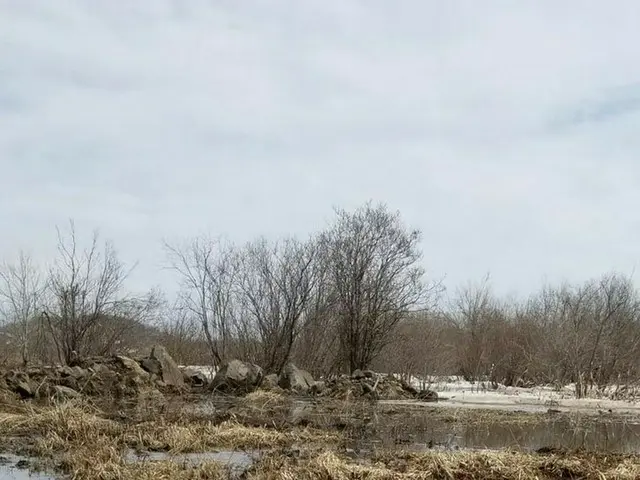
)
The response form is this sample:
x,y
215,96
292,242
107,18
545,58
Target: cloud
x,y
506,131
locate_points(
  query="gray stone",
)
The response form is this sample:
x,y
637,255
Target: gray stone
x,y
427,396
358,374
195,377
131,365
294,378
76,372
23,388
170,373
151,365
237,376
269,382
317,388
60,392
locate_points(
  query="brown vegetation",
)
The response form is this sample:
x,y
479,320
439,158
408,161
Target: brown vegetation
x,y
353,295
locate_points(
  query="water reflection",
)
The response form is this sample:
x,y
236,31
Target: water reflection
x,y
369,425
13,467
562,433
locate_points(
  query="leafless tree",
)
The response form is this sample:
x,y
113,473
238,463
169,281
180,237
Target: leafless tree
x,y
377,277
318,348
180,332
276,286
424,345
86,305
477,311
208,270
21,290
597,320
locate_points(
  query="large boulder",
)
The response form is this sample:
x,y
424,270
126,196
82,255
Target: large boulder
x,y
21,384
170,374
427,396
61,393
152,366
269,382
238,377
293,378
195,377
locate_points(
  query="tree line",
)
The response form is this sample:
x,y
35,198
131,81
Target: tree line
x,y
352,296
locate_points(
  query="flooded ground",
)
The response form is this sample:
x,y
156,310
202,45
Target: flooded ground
x,y
235,461
13,467
423,433
416,426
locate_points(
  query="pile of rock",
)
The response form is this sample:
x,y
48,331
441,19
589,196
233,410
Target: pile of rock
x,y
368,384
114,377
238,378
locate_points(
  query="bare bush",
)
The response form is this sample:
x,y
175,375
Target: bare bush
x,y
180,333
87,310
276,289
208,269
377,277
21,292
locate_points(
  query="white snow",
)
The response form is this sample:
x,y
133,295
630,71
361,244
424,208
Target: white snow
x,y
457,392
207,370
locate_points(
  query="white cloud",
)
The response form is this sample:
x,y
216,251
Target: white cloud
x,y
507,131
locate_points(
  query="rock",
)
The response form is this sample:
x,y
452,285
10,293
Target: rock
x,y
269,382
427,396
195,377
238,376
23,388
131,365
21,384
317,388
134,375
293,378
170,373
61,392
76,372
152,366
358,374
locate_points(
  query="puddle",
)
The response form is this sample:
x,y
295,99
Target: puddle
x,y
13,467
235,461
418,430
426,433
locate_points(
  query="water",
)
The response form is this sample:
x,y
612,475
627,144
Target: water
x,y
422,433
374,426
236,461
13,467
418,429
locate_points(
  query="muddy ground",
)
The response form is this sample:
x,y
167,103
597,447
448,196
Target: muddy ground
x,y
150,430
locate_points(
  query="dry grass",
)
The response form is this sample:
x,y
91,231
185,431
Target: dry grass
x,y
449,466
105,463
78,424
265,399
79,440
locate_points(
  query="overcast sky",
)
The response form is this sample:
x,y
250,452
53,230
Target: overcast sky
x,y
507,131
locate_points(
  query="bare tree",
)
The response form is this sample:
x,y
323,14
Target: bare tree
x,y
377,277
596,317
86,297
21,289
277,284
208,270
180,333
480,315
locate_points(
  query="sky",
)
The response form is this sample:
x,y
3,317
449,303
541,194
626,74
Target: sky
x,y
508,132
